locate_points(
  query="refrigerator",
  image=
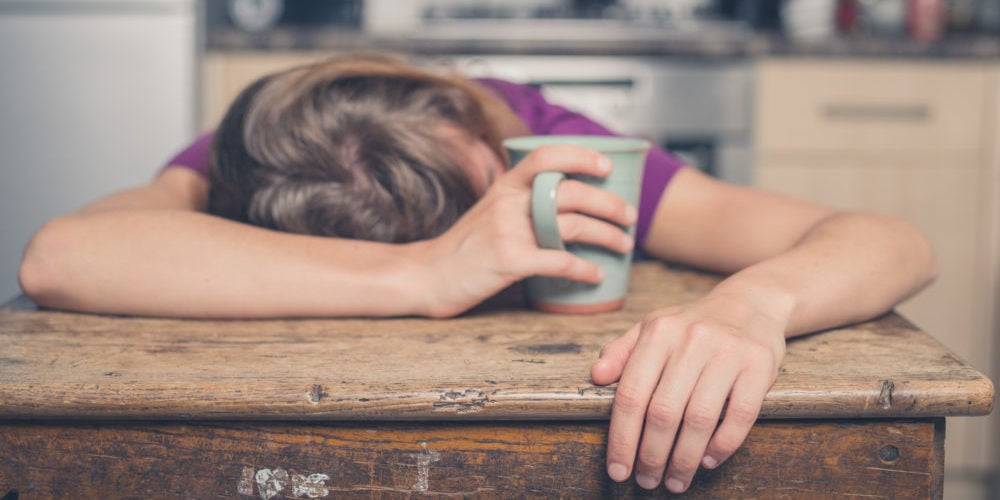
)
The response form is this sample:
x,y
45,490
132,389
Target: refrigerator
x,y
94,96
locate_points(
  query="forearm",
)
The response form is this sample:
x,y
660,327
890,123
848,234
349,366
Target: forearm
x,y
846,268
187,264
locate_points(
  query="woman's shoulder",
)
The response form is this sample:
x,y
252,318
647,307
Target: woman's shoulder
x,y
195,156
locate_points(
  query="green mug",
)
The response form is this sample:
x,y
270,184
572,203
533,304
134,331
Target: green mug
x,y
564,296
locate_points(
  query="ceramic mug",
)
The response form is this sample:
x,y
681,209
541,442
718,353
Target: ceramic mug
x,y
564,296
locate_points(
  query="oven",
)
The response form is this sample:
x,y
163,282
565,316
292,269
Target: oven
x,y
698,110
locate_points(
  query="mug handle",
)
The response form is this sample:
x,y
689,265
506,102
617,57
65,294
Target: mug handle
x,y
544,210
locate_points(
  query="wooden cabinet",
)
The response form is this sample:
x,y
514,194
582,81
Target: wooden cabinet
x,y
993,270
226,74
911,139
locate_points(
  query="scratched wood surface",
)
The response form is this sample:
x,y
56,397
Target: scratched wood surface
x,y
501,361
780,459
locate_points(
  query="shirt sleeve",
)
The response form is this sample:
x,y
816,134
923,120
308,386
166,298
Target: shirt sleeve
x,y
195,156
545,118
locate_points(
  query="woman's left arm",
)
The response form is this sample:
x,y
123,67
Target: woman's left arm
x,y
795,267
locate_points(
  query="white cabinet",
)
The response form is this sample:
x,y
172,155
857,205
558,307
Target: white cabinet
x,y
95,95
909,139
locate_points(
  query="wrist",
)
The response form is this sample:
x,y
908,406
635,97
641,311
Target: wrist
x,y
765,293
412,278
766,307
424,278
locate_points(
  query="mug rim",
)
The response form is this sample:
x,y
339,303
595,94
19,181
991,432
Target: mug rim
x,y
600,143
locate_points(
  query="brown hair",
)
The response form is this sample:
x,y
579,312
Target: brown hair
x,y
349,147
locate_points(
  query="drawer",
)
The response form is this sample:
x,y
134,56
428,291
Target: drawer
x,y
870,105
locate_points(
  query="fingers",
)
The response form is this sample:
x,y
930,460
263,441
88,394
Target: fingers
x,y
608,368
675,380
575,196
639,379
594,216
557,264
701,417
741,414
577,228
666,413
565,158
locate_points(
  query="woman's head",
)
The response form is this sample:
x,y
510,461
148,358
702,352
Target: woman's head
x,y
360,147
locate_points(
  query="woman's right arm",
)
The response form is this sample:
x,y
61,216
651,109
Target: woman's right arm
x,y
151,251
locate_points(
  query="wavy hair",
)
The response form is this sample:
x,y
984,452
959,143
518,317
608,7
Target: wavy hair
x,y
349,147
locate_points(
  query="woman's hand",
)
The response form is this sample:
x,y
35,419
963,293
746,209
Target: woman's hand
x,y
493,245
678,370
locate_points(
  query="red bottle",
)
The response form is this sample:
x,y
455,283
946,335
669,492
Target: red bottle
x,y
925,20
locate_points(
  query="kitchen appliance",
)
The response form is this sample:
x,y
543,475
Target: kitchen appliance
x,y
259,16
698,110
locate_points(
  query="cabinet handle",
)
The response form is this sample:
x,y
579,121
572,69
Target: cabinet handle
x,y
877,112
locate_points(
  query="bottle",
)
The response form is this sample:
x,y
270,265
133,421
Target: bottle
x,y
925,20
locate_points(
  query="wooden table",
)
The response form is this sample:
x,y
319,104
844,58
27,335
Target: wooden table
x,y
497,403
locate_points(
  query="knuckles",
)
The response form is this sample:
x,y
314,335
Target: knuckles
x,y
701,418
663,414
742,413
629,399
570,227
684,465
650,460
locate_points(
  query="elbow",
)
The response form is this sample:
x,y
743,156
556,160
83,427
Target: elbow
x,y
39,275
921,256
928,259
932,268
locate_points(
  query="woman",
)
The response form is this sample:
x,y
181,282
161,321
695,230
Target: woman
x,y
362,177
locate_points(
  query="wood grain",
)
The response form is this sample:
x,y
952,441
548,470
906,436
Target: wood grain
x,y
501,361
780,459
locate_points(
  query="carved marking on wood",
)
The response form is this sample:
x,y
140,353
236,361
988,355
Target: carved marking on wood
x,y
885,397
467,401
424,461
311,486
271,483
245,487
596,391
316,394
919,473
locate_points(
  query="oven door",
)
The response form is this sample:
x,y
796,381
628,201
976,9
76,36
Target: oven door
x,y
699,111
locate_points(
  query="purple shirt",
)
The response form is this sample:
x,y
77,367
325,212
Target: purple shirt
x,y
543,118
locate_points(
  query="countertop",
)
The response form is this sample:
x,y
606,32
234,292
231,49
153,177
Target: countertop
x,y
500,361
715,44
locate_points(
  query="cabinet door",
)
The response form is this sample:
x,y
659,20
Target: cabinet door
x,y
943,203
903,139
226,74
869,106
947,204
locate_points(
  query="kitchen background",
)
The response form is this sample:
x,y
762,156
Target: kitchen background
x,y
890,106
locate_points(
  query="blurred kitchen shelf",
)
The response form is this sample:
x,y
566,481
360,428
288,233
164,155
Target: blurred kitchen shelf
x,y
564,39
